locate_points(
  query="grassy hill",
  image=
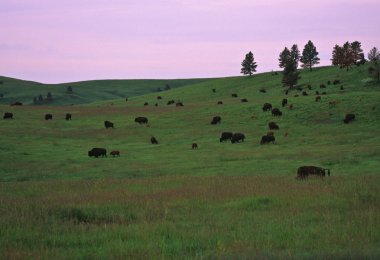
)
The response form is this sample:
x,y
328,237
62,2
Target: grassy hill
x,y
13,90
223,200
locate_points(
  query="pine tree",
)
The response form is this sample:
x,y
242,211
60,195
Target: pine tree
x,y
337,56
374,58
248,65
284,58
290,75
357,52
309,56
373,54
295,55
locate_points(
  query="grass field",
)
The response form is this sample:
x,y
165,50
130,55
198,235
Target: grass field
x,y
223,200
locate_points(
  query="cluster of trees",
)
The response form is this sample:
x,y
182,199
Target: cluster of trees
x,y
343,56
40,98
347,55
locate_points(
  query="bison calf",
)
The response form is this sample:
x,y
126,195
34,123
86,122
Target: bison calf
x,y
115,153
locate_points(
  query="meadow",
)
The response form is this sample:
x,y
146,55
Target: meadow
x,y
222,200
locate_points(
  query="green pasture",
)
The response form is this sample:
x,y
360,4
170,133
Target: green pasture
x,y
222,200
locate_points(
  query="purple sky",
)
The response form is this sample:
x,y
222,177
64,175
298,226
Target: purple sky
x,y
55,41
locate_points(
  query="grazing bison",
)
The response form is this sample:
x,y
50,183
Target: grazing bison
x,y
305,171
159,97
48,117
141,120
153,140
324,93
309,87
336,82
146,104
267,107
287,92
263,90
341,88
322,86
213,90
273,126
115,153
237,137
108,124
284,102
68,116
179,104
270,133
216,120
276,112
126,99
296,95
244,100
266,139
304,93
170,102
8,115
156,105
290,106
234,95
316,92
225,136
194,146
220,102
317,98
16,104
96,152
349,118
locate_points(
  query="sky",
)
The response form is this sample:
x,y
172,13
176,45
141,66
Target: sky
x,y
55,41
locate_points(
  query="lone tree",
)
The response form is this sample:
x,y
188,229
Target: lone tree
x,y
289,61
374,69
248,65
309,56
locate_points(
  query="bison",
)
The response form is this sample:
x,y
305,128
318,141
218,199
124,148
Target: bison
x,y
213,90
234,95
225,136
159,97
170,102
244,100
304,93
146,104
220,102
194,146
237,137
267,139
322,86
263,90
276,112
284,102
317,98
96,152
336,82
8,115
349,118
270,133
115,153
305,171
273,126
216,120
68,116
108,124
267,107
179,104
141,120
16,104
48,117
153,140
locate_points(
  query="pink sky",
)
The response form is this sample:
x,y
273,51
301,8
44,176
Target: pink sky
x,y
54,41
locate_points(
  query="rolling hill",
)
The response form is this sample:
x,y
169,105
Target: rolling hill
x,y
222,200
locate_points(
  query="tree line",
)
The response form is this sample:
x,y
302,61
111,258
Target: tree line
x,y
344,56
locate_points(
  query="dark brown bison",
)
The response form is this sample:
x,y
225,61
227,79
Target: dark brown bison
x,y
48,117
267,107
96,152
305,171
276,112
220,102
108,124
324,93
16,104
270,133
263,90
141,120
244,100
234,95
115,153
216,120
237,137
194,146
304,93
146,104
317,98
284,102
8,115
213,90
341,88
68,116
179,104
225,136
349,118
291,107
336,82
153,140
170,102
159,97
273,126
322,86
316,92
266,139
